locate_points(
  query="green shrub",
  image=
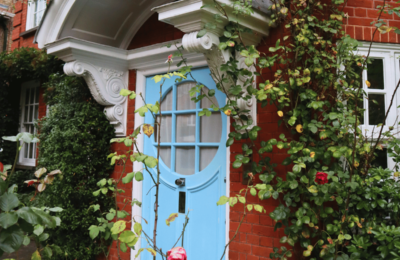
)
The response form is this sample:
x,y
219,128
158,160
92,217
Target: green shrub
x,y
75,138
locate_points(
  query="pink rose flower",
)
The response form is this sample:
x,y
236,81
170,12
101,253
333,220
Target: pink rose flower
x,y
169,59
177,253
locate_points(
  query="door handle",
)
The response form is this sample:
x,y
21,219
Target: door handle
x,y
180,182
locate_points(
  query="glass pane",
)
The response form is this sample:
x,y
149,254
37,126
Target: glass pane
x,y
165,154
26,113
380,158
186,128
166,103
206,156
30,151
183,97
36,116
26,151
206,102
32,96
166,127
31,108
375,74
376,108
184,160
27,96
211,128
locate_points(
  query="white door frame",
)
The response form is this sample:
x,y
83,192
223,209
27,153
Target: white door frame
x,y
137,189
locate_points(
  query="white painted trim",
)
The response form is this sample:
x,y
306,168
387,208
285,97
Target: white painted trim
x,y
137,188
228,187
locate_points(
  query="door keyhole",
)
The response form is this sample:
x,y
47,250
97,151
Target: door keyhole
x,y
182,202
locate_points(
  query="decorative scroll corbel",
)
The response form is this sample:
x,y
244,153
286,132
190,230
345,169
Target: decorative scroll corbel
x,y
105,85
208,45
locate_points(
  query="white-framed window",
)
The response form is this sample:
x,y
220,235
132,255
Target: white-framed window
x,y
36,10
29,113
383,74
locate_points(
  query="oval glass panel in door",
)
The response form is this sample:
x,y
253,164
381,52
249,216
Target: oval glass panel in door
x,y
189,142
192,168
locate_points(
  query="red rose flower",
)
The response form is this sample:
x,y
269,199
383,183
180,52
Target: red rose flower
x,y
321,178
1,167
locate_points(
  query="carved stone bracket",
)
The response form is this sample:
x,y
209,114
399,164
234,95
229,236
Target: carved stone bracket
x,y
105,85
208,45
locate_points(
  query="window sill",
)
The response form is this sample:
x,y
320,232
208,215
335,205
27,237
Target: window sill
x,y
25,167
29,32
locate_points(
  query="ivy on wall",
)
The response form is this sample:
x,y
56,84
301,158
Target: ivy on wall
x,y
75,139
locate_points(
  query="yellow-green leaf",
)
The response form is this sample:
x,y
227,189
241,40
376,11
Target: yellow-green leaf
x,y
171,218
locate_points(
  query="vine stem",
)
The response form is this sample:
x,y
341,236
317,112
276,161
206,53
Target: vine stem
x,y
158,167
241,220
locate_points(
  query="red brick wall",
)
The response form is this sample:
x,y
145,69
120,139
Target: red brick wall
x,y
362,13
21,10
153,32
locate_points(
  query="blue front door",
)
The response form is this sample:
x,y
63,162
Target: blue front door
x,y
193,151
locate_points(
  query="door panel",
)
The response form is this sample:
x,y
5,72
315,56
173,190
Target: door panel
x,y
193,148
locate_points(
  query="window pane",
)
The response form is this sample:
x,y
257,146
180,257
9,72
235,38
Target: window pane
x,y
183,97
32,96
26,151
375,74
206,156
186,128
380,158
36,112
184,160
166,103
31,151
31,108
26,113
166,128
376,108
211,128
165,154
27,96
206,102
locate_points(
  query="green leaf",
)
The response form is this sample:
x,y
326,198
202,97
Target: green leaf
x,y
47,252
304,179
8,201
229,142
123,247
139,251
201,33
139,176
26,241
152,252
125,92
236,164
43,237
127,236
150,162
222,200
8,219
28,215
38,230
102,182
128,178
36,256
137,228
118,227
312,189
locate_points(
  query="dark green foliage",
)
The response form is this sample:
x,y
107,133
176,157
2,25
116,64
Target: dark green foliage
x,y
20,65
74,137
